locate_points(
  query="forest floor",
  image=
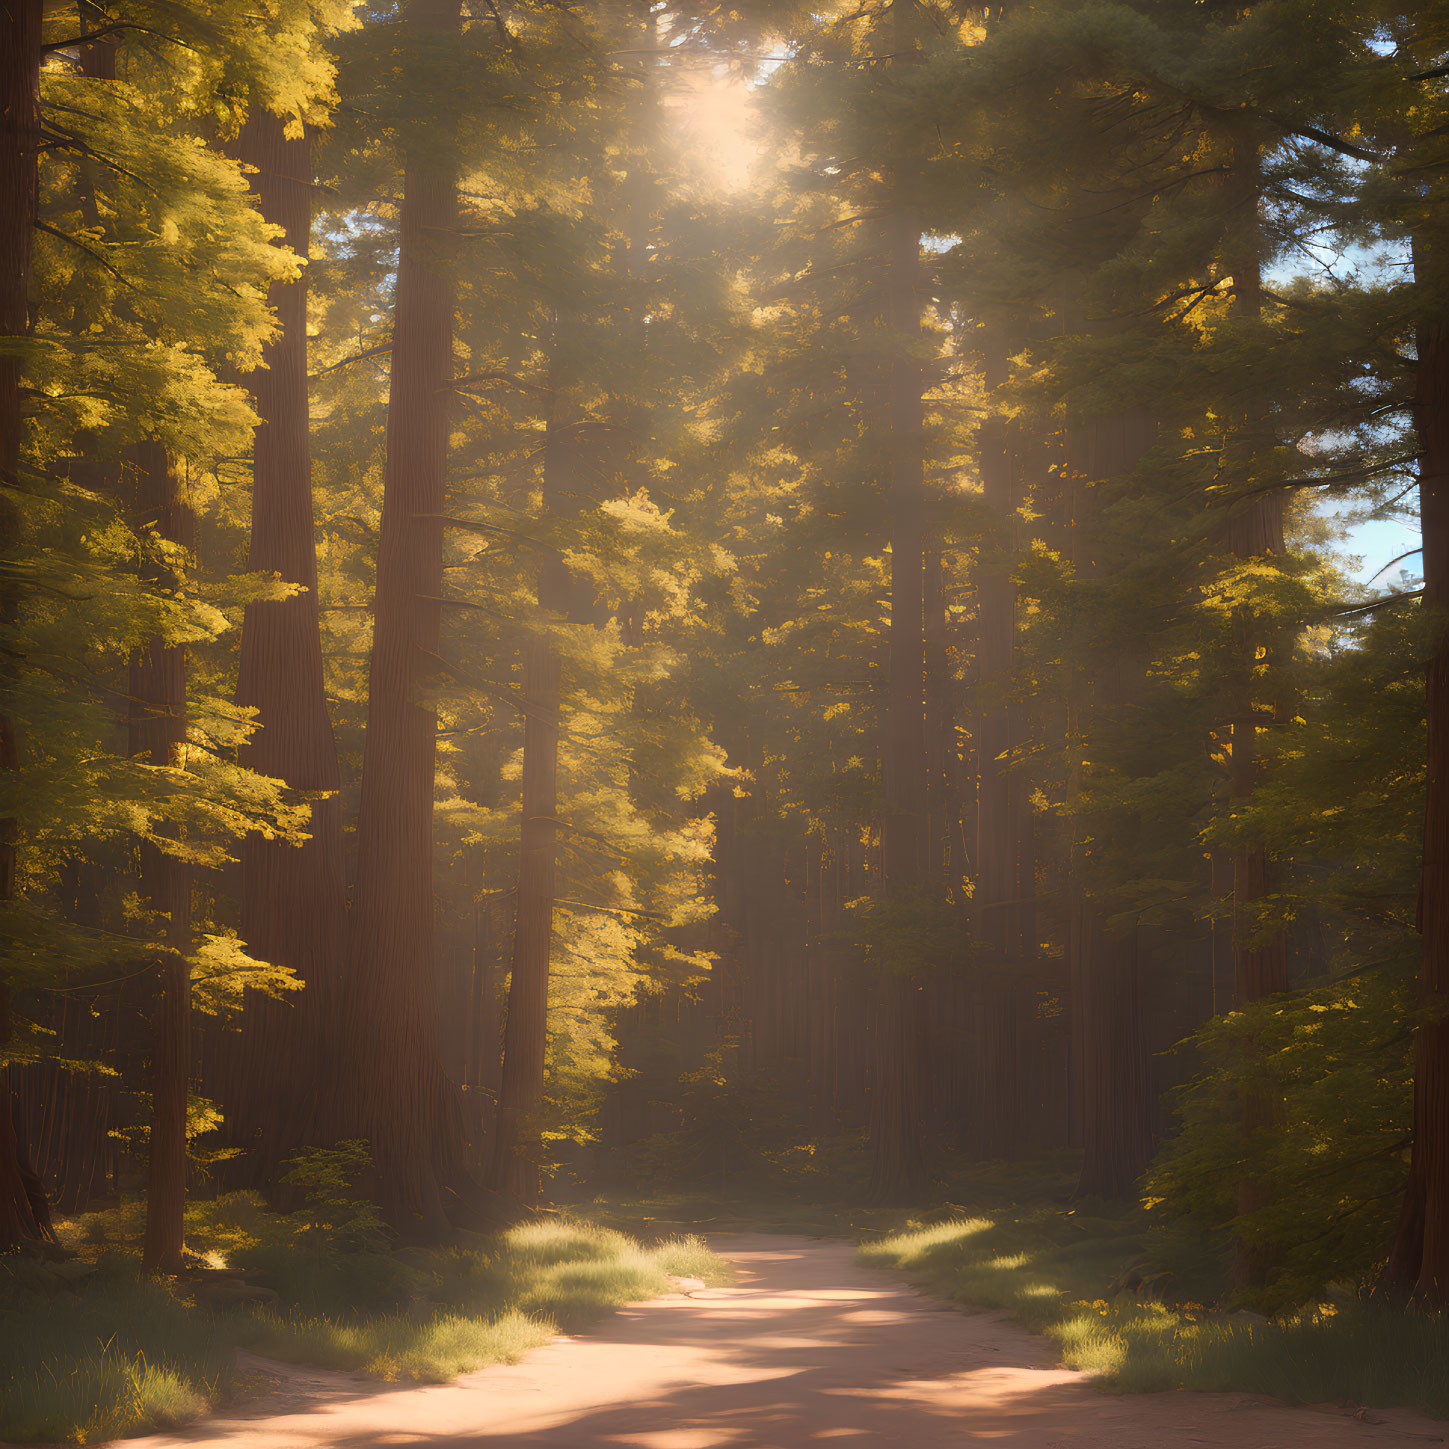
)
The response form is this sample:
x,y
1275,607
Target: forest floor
x,y
807,1348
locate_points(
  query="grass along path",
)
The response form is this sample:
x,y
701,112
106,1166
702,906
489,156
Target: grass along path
x,y
806,1349
93,1352
1055,1274
1013,1238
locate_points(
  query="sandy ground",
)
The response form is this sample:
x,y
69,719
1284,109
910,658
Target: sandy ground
x,y
805,1350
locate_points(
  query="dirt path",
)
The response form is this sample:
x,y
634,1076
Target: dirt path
x,y
806,1350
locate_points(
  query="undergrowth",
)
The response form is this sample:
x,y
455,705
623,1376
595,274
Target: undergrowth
x,y
1074,1276
92,1351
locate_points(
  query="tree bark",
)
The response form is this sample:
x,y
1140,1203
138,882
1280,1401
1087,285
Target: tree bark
x,y
389,1084
943,790
158,736
484,1054
898,1169
1418,1263
1112,1098
293,900
1004,872
24,1213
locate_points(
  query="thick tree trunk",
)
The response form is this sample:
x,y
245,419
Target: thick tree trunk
x,y
158,736
24,1213
1112,1097
293,900
898,1169
517,1140
389,1083
68,1113
1419,1260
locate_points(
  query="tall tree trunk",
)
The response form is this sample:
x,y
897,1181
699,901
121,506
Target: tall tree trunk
x,y
940,727
158,736
1004,882
1419,1259
517,1140
1114,1087
389,1085
293,900
946,992
484,1060
24,1213
898,1169
1113,1095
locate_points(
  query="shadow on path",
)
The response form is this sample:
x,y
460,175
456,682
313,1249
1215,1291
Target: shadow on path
x,y
807,1350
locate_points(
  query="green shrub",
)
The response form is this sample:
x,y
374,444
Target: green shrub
x,y
1330,1158
333,1213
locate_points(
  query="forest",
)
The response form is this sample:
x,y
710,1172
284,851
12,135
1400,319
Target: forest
x,y
614,608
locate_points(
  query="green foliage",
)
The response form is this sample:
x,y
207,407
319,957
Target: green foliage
x,y
1335,1065
335,1218
150,283
1333,1061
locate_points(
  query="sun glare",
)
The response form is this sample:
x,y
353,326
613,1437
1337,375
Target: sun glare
x,y
710,109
